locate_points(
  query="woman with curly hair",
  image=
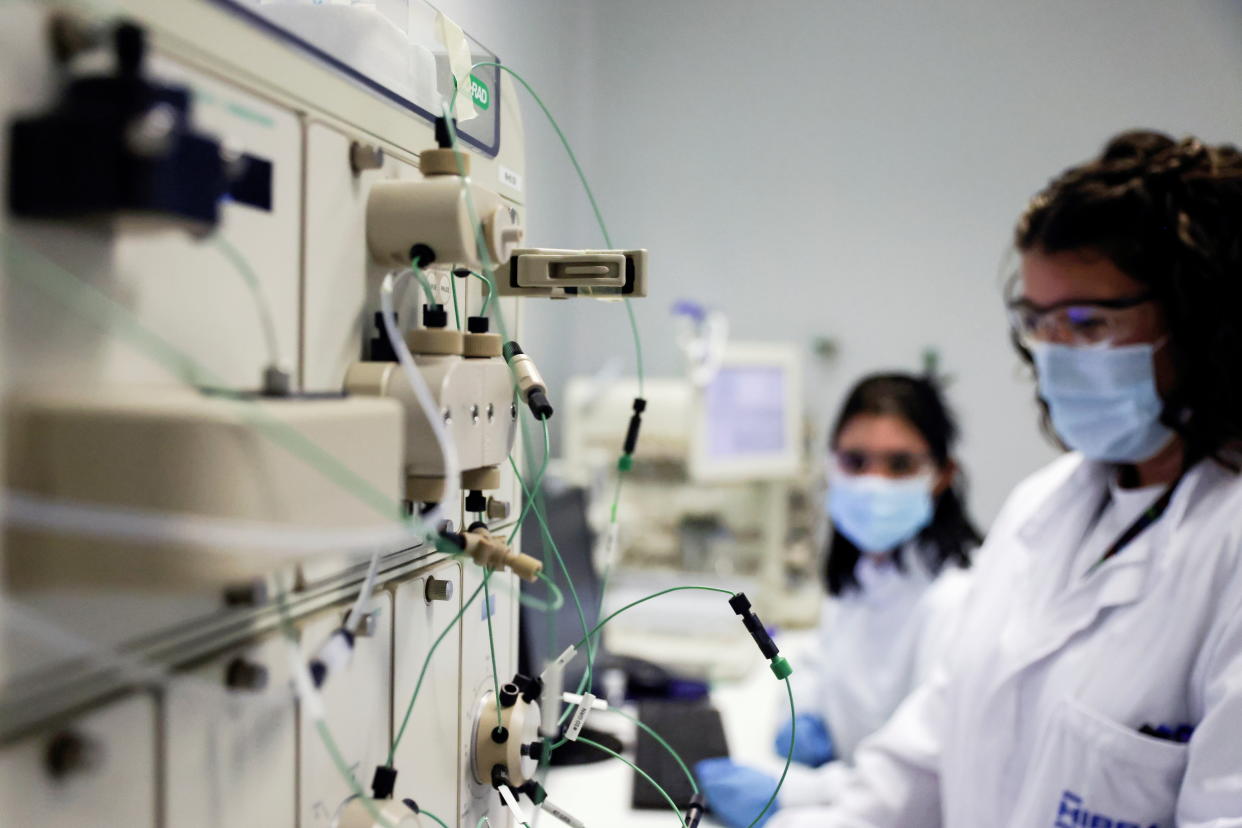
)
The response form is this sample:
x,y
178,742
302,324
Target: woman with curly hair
x,y
1096,674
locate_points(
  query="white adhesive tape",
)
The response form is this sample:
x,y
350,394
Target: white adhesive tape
x,y
612,542
458,48
580,716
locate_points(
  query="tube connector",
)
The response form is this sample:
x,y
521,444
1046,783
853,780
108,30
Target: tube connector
x,y
384,782
636,423
532,688
694,811
491,552
435,316
529,380
741,605
533,791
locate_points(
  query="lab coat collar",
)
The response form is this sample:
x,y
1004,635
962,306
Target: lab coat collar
x,y
1063,604
1051,538
1078,496
884,584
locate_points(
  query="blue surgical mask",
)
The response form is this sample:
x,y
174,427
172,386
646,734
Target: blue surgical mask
x,y
1103,401
878,513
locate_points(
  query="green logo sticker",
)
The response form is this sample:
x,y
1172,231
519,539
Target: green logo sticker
x,y
480,93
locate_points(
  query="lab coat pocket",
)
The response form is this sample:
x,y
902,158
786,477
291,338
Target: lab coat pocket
x,y
1090,772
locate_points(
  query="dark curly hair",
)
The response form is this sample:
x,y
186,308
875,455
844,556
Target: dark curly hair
x,y
951,534
1168,214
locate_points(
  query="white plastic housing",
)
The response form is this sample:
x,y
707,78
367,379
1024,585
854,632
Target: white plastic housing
x,y
476,393
433,212
560,274
181,452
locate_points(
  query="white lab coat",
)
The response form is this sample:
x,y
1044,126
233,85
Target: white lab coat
x,y
1033,717
874,646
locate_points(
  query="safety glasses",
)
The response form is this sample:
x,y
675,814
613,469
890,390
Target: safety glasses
x,y
890,463
1103,322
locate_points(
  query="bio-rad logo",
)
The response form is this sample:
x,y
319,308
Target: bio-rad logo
x,y
1073,814
479,92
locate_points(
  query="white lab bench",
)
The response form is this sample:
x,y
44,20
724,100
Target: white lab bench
x,y
752,709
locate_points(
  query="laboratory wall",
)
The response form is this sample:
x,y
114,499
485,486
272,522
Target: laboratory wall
x,y
852,170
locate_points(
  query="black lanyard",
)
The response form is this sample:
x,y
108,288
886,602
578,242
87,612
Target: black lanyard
x,y
1150,515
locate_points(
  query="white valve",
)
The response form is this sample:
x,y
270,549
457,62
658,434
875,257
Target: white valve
x,y
509,751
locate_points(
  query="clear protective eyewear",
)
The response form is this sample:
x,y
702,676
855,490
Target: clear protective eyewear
x,y
852,462
1100,322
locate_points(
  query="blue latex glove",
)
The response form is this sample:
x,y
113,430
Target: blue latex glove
x,y
814,743
735,793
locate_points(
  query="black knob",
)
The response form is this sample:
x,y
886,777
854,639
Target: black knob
x,y
245,675
476,501
70,752
131,47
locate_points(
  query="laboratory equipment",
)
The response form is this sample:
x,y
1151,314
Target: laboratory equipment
x,y
250,573
563,274
724,489
746,421
201,495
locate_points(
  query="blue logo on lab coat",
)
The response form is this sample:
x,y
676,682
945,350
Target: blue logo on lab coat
x,y
1073,814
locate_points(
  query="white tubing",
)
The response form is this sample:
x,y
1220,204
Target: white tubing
x,y
214,535
444,439
561,814
549,702
335,654
303,684
507,795
576,699
358,610
561,660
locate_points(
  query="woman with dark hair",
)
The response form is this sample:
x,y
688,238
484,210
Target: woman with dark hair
x,y
1095,678
894,573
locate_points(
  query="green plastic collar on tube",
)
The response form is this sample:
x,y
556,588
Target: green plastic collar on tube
x,y
625,462
780,668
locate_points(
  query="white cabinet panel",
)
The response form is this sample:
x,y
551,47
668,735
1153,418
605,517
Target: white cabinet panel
x,y
358,704
231,742
185,291
433,732
107,771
